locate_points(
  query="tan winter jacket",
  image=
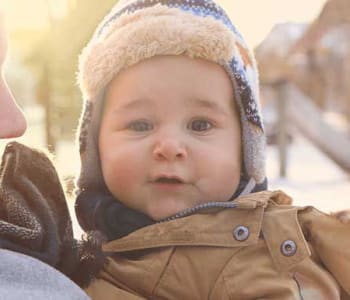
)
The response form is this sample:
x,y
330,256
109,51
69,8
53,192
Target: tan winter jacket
x,y
260,250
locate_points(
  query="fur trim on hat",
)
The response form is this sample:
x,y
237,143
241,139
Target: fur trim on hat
x,y
157,30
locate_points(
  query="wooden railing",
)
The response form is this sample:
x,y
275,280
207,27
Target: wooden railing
x,y
293,106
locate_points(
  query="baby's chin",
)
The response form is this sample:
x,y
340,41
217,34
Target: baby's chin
x,y
165,209
159,214
168,208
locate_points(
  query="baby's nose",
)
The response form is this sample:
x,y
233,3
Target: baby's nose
x,y
169,149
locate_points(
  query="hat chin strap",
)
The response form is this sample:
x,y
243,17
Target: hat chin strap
x,y
248,188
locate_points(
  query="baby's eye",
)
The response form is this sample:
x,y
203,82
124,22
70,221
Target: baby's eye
x,y
140,126
200,125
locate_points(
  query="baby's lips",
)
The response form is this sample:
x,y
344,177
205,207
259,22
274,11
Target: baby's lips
x,y
167,178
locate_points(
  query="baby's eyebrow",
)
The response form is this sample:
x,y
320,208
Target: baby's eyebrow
x,y
143,103
133,104
208,104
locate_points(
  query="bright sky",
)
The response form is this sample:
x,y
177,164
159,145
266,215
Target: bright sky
x,y
254,18
32,13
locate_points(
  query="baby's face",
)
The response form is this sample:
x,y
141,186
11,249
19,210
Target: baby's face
x,y
170,136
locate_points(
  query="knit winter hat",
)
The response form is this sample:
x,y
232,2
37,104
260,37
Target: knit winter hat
x,y
135,30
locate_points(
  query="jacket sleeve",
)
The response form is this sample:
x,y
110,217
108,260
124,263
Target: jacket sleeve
x,y
329,236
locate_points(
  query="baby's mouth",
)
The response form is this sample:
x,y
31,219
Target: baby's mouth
x,y
169,180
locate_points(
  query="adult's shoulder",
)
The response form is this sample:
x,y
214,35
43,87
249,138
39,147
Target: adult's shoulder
x,y
24,277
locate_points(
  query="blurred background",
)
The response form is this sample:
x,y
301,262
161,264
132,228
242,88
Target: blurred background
x,y
303,53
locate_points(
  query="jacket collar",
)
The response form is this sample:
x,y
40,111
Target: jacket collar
x,y
216,227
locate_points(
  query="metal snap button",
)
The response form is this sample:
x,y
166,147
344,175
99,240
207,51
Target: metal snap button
x,y
288,248
241,233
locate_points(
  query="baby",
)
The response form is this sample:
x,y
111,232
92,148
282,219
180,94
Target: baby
x,y
172,151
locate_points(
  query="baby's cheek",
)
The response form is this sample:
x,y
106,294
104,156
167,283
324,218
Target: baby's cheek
x,y
227,180
119,174
124,175
220,181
